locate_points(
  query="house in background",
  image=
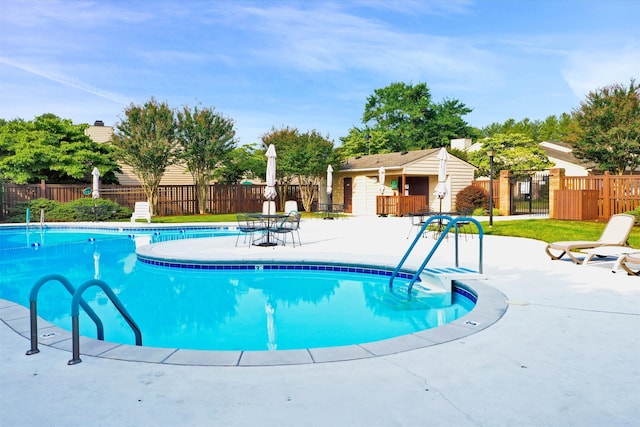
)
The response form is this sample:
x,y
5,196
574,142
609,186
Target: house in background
x,y
174,175
409,183
559,153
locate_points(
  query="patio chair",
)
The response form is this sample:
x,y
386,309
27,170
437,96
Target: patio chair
x,y
288,225
628,260
247,226
417,221
141,211
616,233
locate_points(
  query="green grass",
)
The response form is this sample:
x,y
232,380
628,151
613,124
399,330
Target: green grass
x,y
547,230
551,230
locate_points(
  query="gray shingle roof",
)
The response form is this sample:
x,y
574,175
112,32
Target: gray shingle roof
x,y
388,160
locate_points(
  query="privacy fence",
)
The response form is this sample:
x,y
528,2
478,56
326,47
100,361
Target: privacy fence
x,y
566,197
173,199
595,197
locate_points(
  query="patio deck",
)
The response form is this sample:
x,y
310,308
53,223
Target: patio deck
x,y
565,353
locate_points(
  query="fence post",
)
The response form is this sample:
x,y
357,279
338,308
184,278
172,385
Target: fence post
x,y
607,210
504,203
43,189
556,176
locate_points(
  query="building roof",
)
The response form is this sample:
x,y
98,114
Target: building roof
x,y
564,152
389,160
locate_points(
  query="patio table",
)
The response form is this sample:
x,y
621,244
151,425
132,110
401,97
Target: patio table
x,y
267,222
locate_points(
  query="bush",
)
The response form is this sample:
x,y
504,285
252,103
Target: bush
x,y
86,209
19,211
635,213
471,198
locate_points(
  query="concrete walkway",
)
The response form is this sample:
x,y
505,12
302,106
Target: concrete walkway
x,y
566,353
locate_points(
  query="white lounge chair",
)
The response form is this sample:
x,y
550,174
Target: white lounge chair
x,y
631,264
141,211
616,233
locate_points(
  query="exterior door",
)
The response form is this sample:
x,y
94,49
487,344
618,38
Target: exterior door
x,y
348,194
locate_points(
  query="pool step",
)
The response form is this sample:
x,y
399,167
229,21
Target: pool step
x,y
444,277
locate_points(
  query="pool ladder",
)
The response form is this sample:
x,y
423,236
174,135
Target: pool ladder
x,y
76,302
449,272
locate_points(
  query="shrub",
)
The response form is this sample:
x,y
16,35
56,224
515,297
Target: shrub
x,y
86,209
635,213
19,211
471,198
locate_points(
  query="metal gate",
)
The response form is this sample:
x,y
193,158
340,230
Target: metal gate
x,y
530,193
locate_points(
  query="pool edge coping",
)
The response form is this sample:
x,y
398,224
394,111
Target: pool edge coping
x,y
491,305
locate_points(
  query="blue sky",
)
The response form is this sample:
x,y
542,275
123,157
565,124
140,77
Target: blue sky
x,y
310,64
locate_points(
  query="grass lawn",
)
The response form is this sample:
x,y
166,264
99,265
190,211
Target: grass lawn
x,y
547,230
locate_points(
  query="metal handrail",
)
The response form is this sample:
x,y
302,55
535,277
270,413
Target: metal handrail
x,y
75,314
451,222
33,309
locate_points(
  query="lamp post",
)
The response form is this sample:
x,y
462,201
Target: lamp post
x,y
491,152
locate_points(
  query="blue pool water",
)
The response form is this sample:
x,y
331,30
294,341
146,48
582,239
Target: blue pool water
x,y
241,307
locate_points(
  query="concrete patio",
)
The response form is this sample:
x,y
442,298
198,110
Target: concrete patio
x,y
565,353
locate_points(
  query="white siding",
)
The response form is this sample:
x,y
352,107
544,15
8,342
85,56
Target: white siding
x,y
174,175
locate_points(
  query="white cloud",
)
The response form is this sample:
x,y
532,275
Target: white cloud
x,y
589,71
66,81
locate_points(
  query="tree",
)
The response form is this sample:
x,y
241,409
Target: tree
x,y
284,140
403,117
146,141
551,129
515,152
360,142
606,128
52,149
301,156
243,162
310,159
207,139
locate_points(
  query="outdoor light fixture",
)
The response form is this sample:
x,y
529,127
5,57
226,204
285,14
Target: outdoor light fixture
x,y
491,152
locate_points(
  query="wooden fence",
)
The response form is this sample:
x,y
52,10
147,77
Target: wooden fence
x,y
576,197
173,199
485,183
616,193
400,205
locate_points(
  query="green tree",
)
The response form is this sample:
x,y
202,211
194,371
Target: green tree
x,y
606,128
515,152
363,142
285,140
405,118
206,138
553,128
52,149
146,141
310,159
301,156
243,162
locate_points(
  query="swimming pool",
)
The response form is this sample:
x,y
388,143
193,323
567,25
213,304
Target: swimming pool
x,y
231,306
